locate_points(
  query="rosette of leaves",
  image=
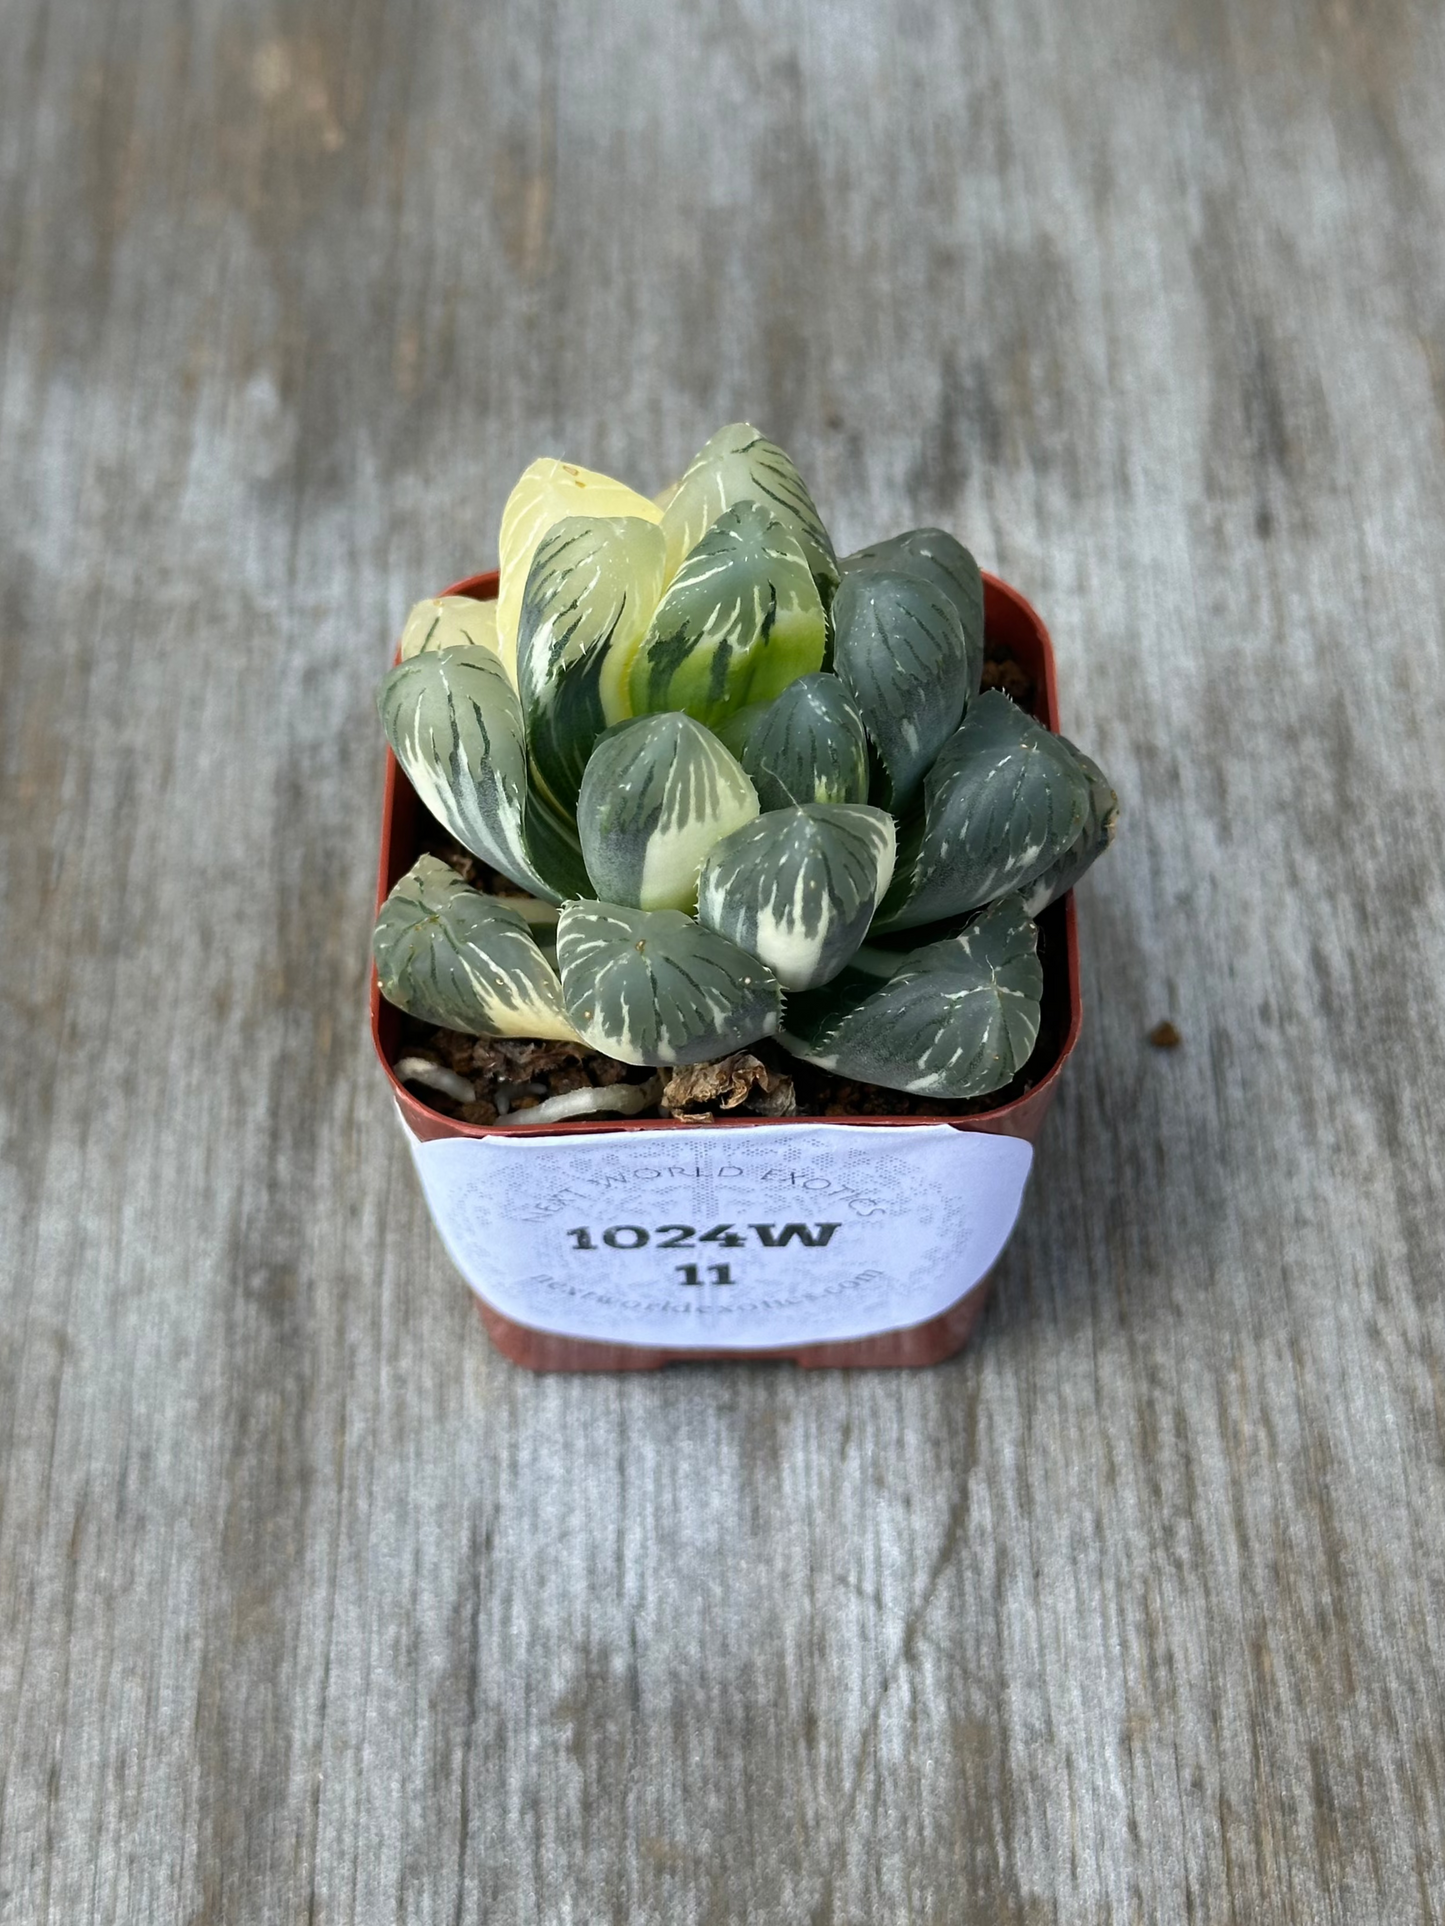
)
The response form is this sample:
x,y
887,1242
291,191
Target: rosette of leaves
x,y
753,789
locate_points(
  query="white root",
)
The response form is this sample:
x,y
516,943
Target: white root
x,y
614,1099
435,1076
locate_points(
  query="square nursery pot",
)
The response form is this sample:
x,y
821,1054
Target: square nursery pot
x,y
629,1244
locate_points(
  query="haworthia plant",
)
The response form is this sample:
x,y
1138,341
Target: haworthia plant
x,y
452,956
739,621
942,560
651,986
455,725
959,1019
449,622
1002,804
645,734
593,585
806,745
547,493
798,887
898,648
740,465
658,792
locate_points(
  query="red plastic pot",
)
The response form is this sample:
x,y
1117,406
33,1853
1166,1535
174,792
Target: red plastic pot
x,y
1010,620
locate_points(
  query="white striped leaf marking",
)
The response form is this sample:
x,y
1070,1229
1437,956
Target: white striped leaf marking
x,y
738,623
740,465
940,558
798,887
1088,846
593,585
657,793
1002,804
651,986
808,745
452,956
455,725
548,491
959,1019
898,647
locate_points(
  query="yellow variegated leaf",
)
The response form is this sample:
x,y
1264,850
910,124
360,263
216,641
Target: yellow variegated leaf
x,y
452,956
449,622
549,491
590,595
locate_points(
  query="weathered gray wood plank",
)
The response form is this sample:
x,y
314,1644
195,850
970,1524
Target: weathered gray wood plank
x,y
310,1607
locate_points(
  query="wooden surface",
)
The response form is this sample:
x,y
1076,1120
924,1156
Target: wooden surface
x,y
311,1608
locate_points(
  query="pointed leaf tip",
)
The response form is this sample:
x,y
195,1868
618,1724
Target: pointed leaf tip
x,y
806,746
738,464
798,887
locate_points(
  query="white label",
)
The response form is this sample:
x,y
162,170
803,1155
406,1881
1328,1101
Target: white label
x,y
725,1239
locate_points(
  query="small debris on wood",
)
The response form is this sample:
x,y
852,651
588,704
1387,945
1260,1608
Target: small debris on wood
x,y
740,1082
1164,1036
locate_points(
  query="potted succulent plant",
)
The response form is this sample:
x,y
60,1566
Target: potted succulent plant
x,y
709,858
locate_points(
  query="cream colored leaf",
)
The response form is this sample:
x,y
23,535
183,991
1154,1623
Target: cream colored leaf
x,y
449,622
548,492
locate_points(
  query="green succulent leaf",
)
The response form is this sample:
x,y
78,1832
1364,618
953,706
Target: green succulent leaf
x,y
657,793
449,622
740,465
650,986
898,648
1088,846
959,1019
940,558
455,725
590,594
807,745
798,887
452,956
738,623
1003,802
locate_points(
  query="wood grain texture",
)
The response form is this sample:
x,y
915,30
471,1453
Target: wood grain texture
x,y
311,1608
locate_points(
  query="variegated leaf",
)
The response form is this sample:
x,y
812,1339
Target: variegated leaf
x,y
455,725
798,887
1087,847
807,745
449,622
452,956
959,1019
898,648
740,465
657,793
1002,804
738,623
650,986
548,492
594,583
940,558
